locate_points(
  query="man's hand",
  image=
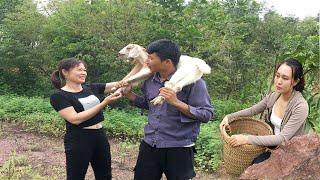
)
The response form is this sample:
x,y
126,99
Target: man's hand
x,y
126,90
123,83
237,140
118,84
169,95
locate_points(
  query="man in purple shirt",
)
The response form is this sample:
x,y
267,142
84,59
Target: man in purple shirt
x,y
173,127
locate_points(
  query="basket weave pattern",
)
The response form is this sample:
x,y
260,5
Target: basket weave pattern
x,y
237,159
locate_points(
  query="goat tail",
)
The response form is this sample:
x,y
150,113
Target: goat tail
x,y
204,67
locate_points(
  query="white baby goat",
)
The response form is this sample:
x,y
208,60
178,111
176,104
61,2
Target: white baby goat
x,y
189,70
136,55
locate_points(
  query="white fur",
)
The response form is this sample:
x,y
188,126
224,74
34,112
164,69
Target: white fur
x,y
189,70
137,55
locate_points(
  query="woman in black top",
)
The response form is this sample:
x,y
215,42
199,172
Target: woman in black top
x,y
81,106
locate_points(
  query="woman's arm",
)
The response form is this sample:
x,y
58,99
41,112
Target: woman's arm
x,y
255,109
73,117
296,120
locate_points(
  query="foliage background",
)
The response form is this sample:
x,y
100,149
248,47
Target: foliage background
x,y
240,39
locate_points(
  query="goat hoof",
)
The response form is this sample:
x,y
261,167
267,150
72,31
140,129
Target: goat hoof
x,y
157,101
154,101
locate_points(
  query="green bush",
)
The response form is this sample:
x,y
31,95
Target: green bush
x,y
314,113
224,107
37,115
126,124
209,147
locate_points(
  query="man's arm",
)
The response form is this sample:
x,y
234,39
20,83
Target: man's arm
x,y
138,101
199,105
171,97
111,86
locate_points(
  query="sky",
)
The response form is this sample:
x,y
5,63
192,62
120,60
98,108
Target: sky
x,y
298,8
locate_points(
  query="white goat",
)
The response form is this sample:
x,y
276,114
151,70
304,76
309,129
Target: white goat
x,y
136,55
189,70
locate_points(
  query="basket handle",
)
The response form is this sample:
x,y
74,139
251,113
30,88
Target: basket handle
x,y
224,133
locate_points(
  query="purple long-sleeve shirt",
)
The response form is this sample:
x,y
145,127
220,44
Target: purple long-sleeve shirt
x,y
167,126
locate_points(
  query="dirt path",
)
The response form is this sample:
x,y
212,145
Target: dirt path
x,y
46,156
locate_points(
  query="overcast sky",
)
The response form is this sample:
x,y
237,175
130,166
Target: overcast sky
x,y
298,8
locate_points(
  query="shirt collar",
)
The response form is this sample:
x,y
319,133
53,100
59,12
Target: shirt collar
x,y
156,77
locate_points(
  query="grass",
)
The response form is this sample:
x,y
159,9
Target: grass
x,y
17,167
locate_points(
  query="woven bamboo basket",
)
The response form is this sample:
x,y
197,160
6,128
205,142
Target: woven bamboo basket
x,y
237,159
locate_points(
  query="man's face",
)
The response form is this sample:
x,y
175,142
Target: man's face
x,y
154,63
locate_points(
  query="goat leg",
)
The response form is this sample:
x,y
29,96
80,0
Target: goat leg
x,y
123,82
144,73
134,70
157,100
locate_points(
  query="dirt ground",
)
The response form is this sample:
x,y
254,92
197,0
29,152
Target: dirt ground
x,y
46,154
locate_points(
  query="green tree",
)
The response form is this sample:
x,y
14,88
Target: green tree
x,y
21,49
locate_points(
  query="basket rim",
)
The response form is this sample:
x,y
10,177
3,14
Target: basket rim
x,y
227,138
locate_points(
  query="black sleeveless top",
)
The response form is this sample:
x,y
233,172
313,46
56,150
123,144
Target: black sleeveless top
x,y
90,96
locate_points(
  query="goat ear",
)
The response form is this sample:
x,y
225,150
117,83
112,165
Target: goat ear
x,y
134,52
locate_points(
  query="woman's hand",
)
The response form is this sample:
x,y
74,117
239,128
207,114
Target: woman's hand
x,y
112,98
225,122
237,140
